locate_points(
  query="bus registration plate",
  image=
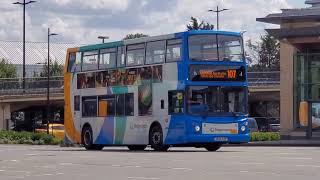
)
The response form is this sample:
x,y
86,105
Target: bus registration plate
x,y
210,128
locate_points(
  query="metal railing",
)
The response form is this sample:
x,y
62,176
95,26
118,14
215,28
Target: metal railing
x,y
34,85
264,78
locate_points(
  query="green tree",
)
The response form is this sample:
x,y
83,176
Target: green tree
x,y
264,55
56,69
7,70
134,36
195,24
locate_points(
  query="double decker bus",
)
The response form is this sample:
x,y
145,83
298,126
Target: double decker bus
x,y
182,89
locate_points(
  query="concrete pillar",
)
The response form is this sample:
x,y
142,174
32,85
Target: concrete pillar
x,y
5,114
287,52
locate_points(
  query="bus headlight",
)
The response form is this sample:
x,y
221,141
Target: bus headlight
x,y
197,128
243,128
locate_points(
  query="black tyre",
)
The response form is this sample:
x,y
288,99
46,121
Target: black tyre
x,y
156,139
87,139
213,147
137,147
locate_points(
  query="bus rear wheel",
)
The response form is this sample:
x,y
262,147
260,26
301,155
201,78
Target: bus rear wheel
x,y
213,147
137,147
87,139
156,139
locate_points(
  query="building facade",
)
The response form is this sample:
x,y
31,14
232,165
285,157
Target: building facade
x,y
299,36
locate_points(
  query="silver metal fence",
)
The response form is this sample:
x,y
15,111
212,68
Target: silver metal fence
x,y
35,85
271,78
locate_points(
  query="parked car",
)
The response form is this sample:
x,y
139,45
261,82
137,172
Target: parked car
x,y
253,125
57,130
274,128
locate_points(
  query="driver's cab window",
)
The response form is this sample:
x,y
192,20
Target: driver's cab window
x,y
176,102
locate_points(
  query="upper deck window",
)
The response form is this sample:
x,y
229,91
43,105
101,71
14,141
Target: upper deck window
x,y
155,52
90,61
174,50
215,48
230,48
121,56
72,62
135,54
108,58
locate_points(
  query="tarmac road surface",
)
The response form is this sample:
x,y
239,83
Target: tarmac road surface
x,y
229,163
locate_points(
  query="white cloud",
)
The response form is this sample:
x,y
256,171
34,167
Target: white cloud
x,y
81,21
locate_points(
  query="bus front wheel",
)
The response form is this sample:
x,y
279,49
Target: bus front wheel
x,y
213,147
87,139
156,139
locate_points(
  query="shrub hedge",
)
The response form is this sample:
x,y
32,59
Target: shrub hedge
x,y
14,137
264,136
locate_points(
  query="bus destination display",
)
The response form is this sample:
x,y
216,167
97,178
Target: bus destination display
x,y
216,73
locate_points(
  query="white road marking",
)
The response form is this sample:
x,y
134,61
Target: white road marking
x,y
115,165
253,163
301,158
314,166
48,174
151,178
63,164
31,154
178,168
244,171
1,170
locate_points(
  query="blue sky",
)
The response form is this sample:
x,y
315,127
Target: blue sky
x,y
81,21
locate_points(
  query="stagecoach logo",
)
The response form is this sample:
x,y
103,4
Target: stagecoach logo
x,y
138,126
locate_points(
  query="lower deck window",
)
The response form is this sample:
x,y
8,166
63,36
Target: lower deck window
x,y
116,105
89,106
176,102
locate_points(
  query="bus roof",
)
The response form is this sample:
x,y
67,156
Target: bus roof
x,y
152,38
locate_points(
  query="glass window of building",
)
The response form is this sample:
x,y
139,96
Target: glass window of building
x,y
155,52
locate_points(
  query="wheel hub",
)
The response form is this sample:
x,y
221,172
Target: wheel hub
x,y
156,138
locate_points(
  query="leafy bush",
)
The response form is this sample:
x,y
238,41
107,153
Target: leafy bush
x,y
13,137
264,136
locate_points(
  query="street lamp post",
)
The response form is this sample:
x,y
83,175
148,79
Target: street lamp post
x,y
48,78
217,11
24,42
103,38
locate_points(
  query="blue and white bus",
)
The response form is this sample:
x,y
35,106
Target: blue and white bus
x,y
181,89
